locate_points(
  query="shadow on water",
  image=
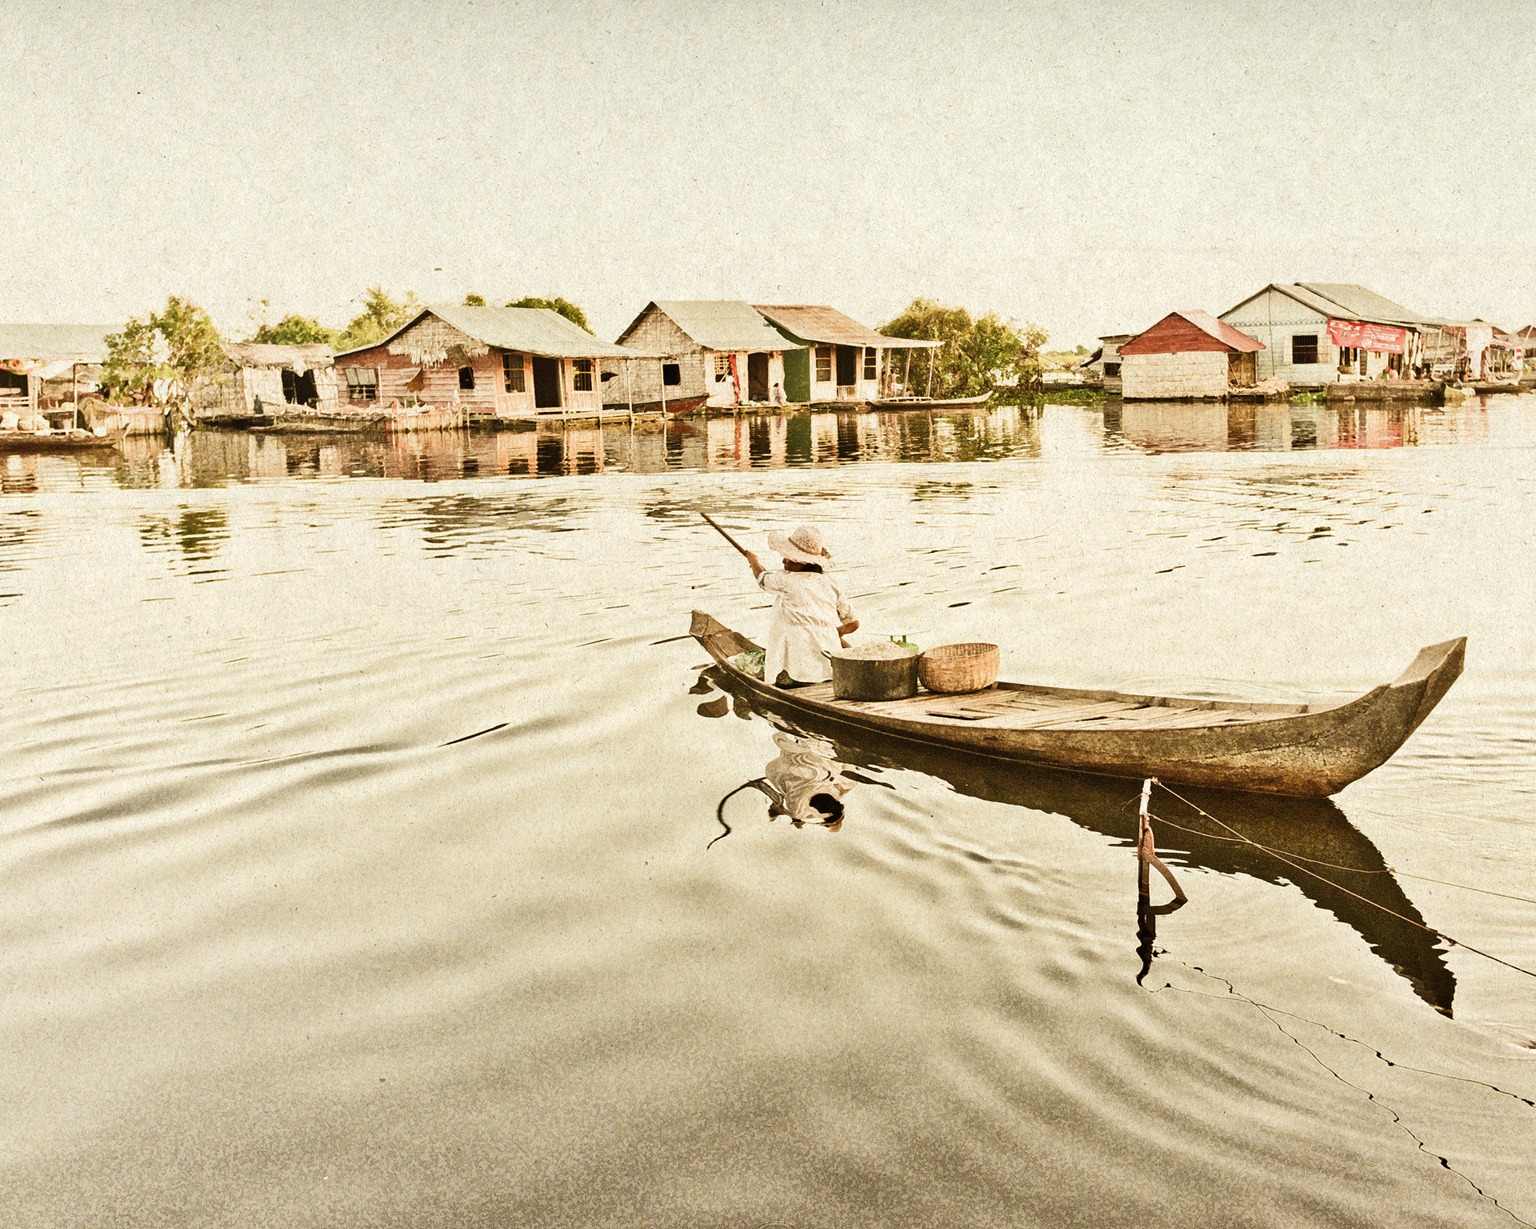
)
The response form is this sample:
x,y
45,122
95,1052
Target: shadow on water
x,y
1346,874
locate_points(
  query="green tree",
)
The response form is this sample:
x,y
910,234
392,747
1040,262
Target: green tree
x,y
976,355
161,360
381,316
564,306
474,300
295,330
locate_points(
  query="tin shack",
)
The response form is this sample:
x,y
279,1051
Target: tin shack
x,y
1187,356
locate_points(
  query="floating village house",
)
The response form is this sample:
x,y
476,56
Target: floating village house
x,y
262,379
1105,361
501,362
1318,333
716,352
1187,355
843,360
46,368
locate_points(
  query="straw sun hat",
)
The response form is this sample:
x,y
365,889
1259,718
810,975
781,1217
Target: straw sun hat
x,y
803,545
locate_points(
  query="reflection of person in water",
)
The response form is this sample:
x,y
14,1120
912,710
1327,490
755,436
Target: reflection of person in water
x,y
802,782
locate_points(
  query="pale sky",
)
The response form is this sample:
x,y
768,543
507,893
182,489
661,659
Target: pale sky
x,y
1087,167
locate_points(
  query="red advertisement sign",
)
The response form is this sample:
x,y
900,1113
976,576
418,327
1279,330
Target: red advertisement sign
x,y
1383,338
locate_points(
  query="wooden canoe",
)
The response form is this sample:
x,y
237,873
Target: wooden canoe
x,y
928,403
1352,881
1302,750
58,441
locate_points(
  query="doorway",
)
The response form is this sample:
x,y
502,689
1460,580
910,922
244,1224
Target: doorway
x,y
546,383
847,366
757,377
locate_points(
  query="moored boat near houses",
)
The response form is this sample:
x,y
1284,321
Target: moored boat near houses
x,y
496,362
843,360
1188,356
718,350
1321,333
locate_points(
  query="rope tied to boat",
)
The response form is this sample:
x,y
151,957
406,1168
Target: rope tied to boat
x,y
1295,861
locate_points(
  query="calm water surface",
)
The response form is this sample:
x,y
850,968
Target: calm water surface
x,y
365,857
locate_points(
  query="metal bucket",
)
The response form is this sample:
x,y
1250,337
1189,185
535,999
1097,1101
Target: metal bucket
x,y
873,678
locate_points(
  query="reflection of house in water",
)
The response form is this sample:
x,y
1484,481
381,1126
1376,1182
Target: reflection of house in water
x,y
197,533
1268,427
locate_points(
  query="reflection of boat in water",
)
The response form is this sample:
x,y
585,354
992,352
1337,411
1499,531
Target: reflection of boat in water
x,y
1351,879
927,403
1303,750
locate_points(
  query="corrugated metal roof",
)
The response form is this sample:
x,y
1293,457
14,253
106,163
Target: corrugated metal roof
x,y
728,325
265,354
1341,301
830,327
527,330
83,341
1364,304
1206,323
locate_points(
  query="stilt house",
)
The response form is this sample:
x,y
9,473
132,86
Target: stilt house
x,y
842,360
1105,361
1187,355
1317,333
718,350
46,368
267,379
505,362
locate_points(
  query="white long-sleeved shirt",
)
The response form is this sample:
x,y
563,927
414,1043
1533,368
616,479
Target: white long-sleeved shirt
x,y
808,608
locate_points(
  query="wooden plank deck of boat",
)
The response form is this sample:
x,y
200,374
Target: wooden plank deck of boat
x,y
1008,707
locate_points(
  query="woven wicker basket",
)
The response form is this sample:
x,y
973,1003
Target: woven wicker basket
x,y
955,668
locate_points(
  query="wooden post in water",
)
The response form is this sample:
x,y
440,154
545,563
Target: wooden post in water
x,y
1146,850
629,387
663,367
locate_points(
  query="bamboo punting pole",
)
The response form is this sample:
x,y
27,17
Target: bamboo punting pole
x,y
721,531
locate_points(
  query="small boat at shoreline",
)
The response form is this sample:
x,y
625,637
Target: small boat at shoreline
x,y
928,403
58,441
1300,750
673,405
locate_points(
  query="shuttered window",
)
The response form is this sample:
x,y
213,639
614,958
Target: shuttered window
x,y
513,376
362,383
870,369
1304,348
581,379
824,364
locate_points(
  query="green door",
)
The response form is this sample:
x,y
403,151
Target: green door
x,y
797,375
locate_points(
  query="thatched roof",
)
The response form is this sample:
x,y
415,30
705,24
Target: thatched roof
x,y
300,358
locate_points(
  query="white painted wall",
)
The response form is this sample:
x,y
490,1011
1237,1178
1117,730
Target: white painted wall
x,y
1166,377
1275,319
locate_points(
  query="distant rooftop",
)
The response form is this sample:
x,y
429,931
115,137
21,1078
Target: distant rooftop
x,y
1342,301
1206,323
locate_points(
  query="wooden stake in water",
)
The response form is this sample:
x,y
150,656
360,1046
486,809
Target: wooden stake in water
x,y
1146,850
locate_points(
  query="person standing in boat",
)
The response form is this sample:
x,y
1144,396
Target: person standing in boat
x,y
810,614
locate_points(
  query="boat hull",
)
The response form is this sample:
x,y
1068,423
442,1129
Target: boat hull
x,y
1293,751
925,403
